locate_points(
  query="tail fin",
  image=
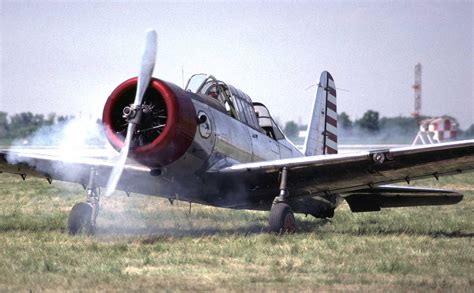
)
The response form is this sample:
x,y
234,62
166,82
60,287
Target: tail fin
x,y
321,138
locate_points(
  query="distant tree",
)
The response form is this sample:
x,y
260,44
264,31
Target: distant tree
x,y
3,124
21,124
51,119
21,120
291,129
24,124
344,121
369,121
38,120
64,118
468,133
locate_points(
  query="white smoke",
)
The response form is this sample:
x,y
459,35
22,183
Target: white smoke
x,y
82,138
70,140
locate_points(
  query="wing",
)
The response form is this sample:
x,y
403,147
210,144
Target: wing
x,y
73,166
345,174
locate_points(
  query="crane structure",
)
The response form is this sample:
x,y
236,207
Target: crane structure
x,y
417,88
432,130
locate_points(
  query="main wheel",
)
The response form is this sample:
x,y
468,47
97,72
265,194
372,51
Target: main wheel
x,y
80,219
282,219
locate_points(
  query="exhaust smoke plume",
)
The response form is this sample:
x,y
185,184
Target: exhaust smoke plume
x,y
387,135
70,140
83,138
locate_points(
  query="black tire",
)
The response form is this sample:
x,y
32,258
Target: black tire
x,y
80,219
282,219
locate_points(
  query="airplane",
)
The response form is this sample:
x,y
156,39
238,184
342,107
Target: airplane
x,y
209,143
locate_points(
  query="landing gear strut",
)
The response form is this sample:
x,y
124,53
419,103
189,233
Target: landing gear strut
x,y
281,218
83,215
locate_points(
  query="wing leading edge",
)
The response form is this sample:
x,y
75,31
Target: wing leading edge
x,y
50,164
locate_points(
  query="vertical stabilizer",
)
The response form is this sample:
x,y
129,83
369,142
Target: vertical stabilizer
x,y
321,138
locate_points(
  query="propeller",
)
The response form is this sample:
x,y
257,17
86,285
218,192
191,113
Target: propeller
x,y
134,111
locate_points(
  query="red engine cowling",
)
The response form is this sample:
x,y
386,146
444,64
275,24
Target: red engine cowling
x,y
167,125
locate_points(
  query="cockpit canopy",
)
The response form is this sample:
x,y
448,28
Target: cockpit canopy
x,y
237,104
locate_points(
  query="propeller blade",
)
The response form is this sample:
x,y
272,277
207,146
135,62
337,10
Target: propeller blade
x,y
147,66
146,71
118,168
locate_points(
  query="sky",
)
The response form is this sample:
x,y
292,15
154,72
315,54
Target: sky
x,y
68,56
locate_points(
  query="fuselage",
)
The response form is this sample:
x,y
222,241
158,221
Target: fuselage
x,y
217,129
222,140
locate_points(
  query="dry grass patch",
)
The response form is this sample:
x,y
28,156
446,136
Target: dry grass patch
x,y
143,243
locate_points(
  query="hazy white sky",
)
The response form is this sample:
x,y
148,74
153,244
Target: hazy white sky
x,y
67,56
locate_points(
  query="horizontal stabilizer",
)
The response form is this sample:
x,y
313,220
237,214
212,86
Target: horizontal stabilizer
x,y
371,200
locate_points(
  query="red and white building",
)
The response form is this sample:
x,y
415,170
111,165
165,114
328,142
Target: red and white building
x,y
436,130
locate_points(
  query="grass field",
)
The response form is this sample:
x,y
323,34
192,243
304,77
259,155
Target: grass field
x,y
144,243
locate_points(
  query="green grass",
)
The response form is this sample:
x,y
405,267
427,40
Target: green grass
x,y
144,243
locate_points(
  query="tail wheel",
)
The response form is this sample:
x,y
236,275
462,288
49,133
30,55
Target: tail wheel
x,y
80,219
282,219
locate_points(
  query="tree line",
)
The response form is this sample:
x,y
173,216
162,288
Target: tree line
x,y
24,124
389,129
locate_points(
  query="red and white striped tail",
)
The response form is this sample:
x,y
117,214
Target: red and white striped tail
x,y
321,136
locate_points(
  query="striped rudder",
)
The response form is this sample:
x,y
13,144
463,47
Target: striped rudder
x,y
321,136
331,117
